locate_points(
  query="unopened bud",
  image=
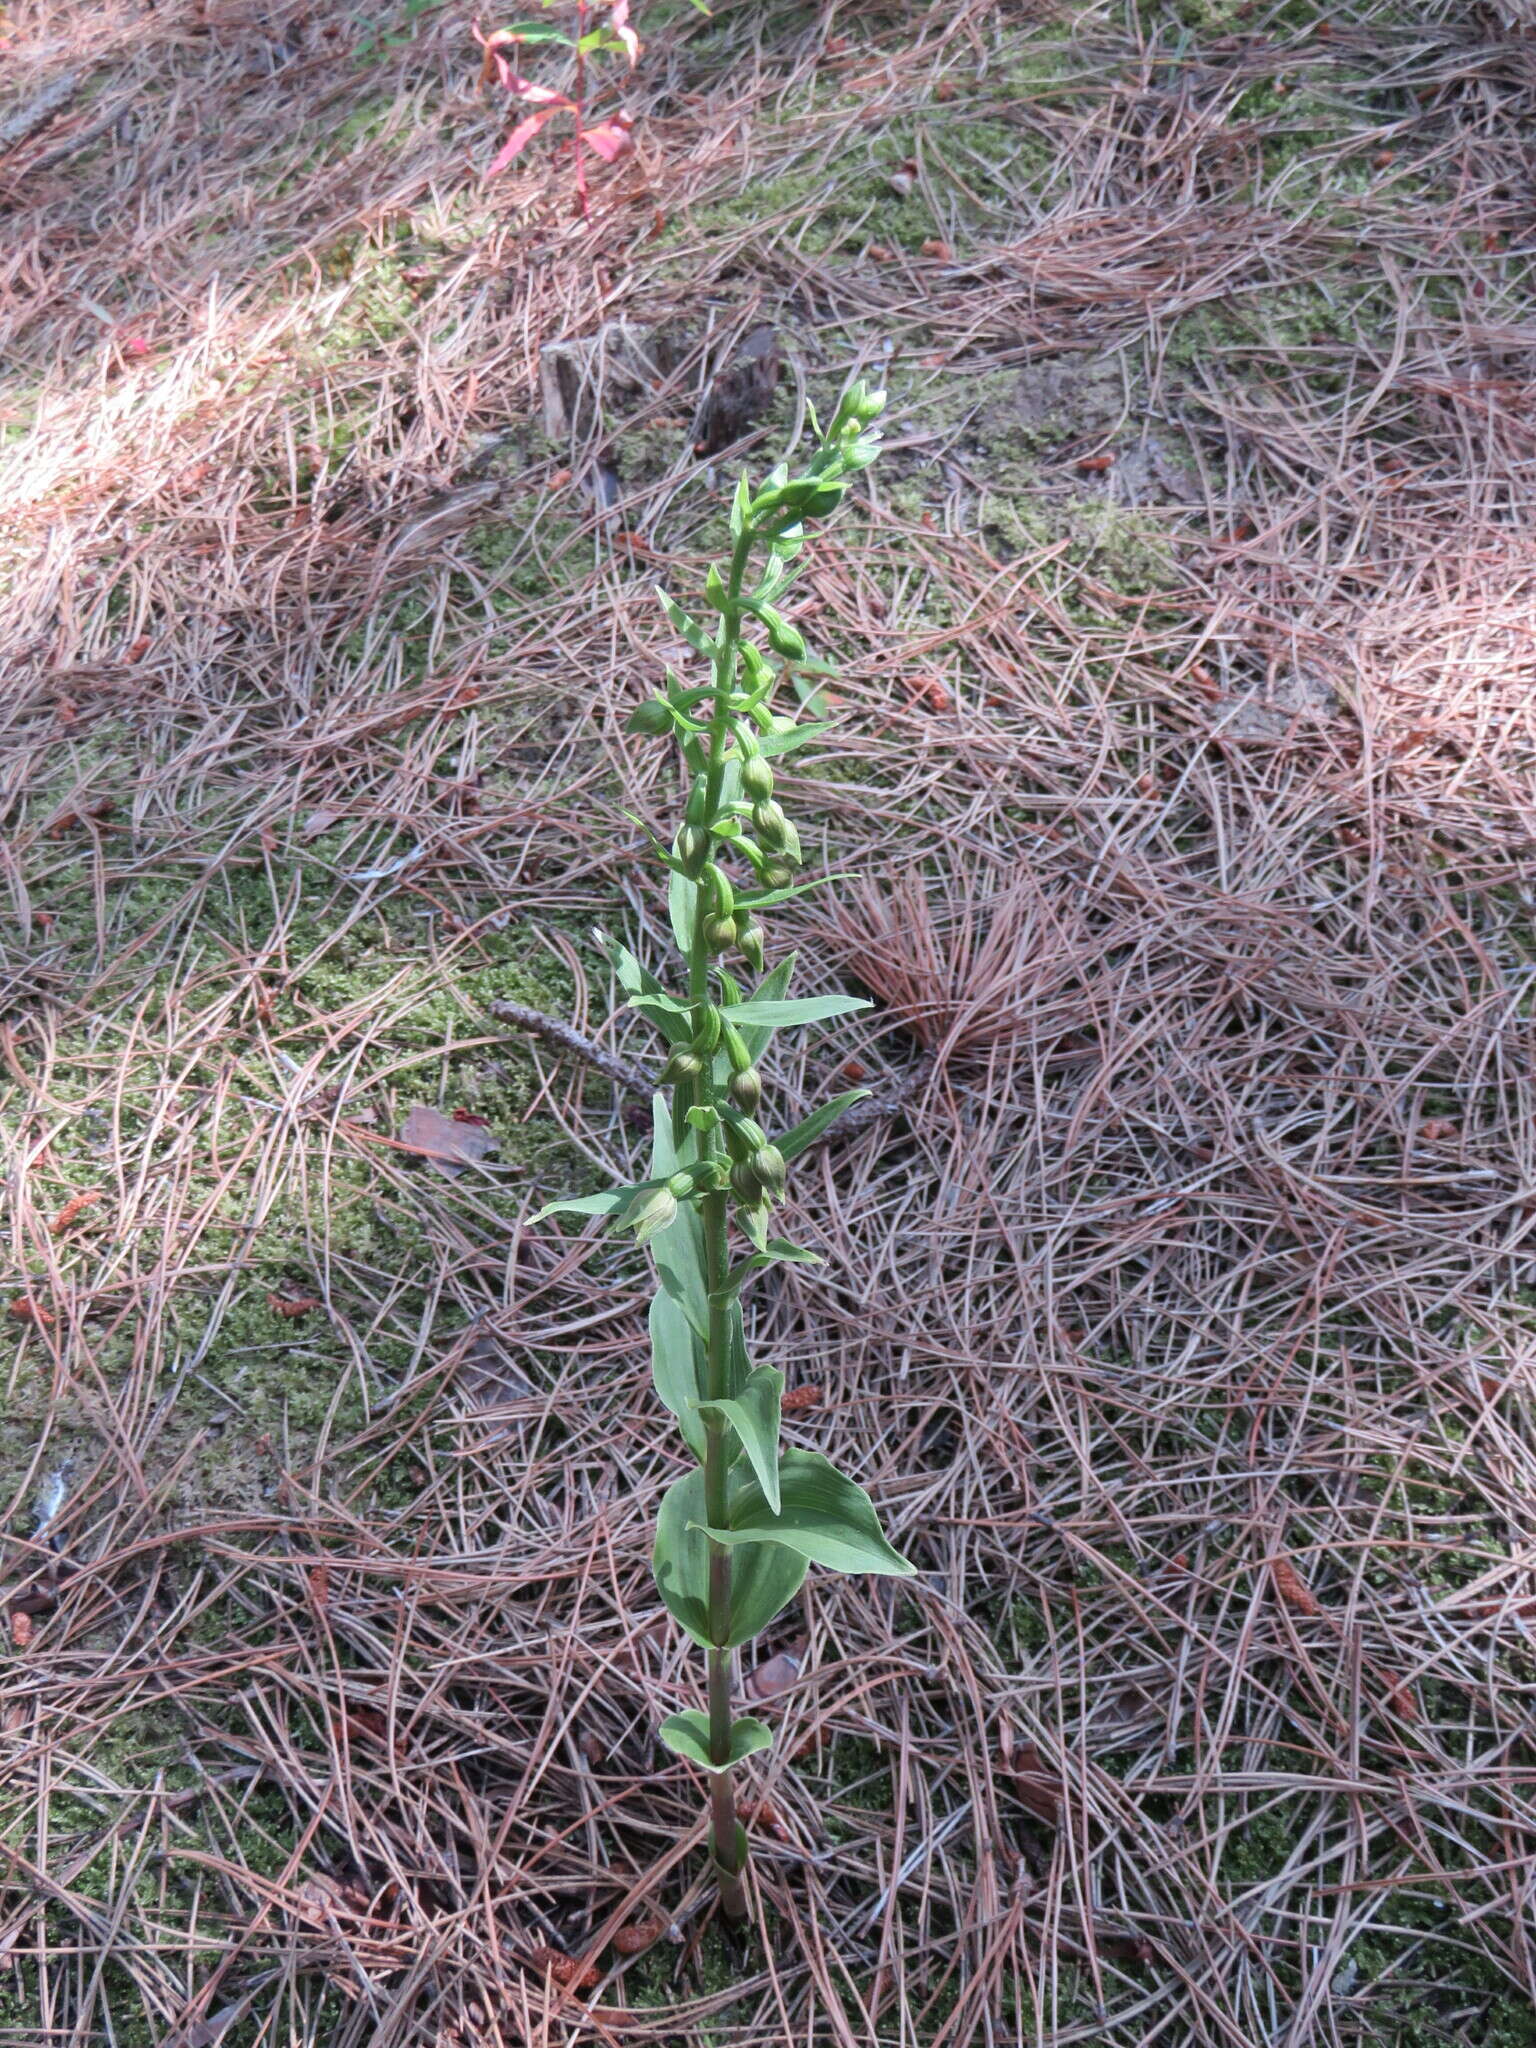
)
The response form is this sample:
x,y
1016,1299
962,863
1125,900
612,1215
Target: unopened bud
x,y
756,779
693,847
719,932
745,1184
747,1089
707,1036
684,1065
768,1165
652,718
777,873
749,938
735,1050
655,1214
826,500
680,1186
785,639
770,822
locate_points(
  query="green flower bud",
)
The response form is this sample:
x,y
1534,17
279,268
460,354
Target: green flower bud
x,y
706,1036
777,873
749,938
693,844
756,779
745,1184
721,894
680,1186
768,1165
826,500
719,932
656,1213
682,1066
785,639
652,718
747,1089
771,824
736,1052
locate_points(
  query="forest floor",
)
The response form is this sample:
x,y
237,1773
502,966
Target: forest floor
x,y
1182,1324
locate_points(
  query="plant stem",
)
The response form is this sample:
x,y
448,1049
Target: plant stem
x,y
716,1221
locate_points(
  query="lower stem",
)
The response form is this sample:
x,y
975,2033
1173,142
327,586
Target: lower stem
x,y
722,1794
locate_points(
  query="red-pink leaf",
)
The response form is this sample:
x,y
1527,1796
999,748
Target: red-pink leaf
x,y
519,139
625,34
609,140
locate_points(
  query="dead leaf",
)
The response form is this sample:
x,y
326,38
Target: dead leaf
x,y
26,1310
448,1141
800,1398
772,1677
21,1628
1037,1784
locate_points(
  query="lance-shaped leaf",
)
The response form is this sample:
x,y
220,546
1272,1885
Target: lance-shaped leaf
x,y
823,1517
690,629
765,1577
796,736
605,1204
773,988
799,1010
754,1415
777,1251
687,1734
805,1133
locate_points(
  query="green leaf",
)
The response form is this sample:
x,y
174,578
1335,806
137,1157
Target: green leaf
x,y
690,629
687,1735
740,505
797,736
682,908
679,1249
822,1517
806,1132
801,1010
605,1204
777,1250
773,987
674,1020
532,32
677,1366
754,1415
765,1577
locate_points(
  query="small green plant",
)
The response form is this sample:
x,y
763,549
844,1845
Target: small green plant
x,y
736,1534
594,36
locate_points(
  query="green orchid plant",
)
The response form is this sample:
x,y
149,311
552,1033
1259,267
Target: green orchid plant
x,y
737,1533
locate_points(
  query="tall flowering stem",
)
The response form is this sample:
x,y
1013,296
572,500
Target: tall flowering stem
x,y
737,1532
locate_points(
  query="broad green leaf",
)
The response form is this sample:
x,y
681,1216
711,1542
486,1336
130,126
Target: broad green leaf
x,y
754,1415
822,1517
690,629
687,1735
799,1010
765,1577
777,1250
805,1133
773,987
605,1204
676,1367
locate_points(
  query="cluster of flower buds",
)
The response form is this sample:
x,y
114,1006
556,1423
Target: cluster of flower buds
x,y
733,809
